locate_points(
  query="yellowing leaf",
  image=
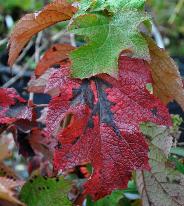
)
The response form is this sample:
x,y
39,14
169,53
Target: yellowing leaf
x,y
162,186
31,24
167,83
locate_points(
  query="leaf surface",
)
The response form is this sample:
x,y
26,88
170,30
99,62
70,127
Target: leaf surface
x,y
110,5
104,129
54,55
40,191
31,24
167,82
106,38
163,185
12,107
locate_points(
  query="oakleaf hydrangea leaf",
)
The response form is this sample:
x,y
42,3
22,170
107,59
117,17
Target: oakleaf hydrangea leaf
x,y
163,185
104,130
106,38
40,191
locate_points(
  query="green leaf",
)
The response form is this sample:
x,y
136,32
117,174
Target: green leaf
x,y
117,198
177,151
179,165
41,191
109,200
115,5
106,38
111,5
163,185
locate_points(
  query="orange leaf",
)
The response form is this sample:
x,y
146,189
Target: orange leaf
x,y
31,24
167,82
54,55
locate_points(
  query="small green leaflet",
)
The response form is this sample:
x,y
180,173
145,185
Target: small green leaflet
x,y
106,38
177,151
43,191
109,200
163,185
117,196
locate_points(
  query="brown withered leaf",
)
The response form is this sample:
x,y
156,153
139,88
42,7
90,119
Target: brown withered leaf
x,y
6,190
33,23
38,85
7,172
54,55
167,82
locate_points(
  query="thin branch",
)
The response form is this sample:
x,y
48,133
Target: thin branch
x,y
41,105
37,58
58,35
3,41
157,35
18,76
22,55
72,40
37,47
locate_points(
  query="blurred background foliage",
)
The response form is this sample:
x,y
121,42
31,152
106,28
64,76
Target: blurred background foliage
x,y
168,16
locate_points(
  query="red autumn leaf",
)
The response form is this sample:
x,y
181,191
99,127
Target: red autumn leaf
x,y
12,107
9,97
104,130
31,24
54,55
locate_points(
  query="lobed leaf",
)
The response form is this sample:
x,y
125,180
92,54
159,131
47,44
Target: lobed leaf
x,y
104,129
106,38
163,185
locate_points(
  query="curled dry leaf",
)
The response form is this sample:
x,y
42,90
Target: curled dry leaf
x,y
31,24
167,82
54,55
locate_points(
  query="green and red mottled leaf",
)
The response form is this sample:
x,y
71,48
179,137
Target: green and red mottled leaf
x,y
13,107
31,24
104,129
